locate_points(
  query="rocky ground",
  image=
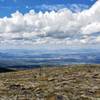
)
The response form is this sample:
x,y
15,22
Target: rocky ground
x,y
77,82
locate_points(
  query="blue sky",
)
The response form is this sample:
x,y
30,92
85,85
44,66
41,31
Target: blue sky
x,y
7,7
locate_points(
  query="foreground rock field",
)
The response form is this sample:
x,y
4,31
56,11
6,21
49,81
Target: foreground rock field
x,y
76,82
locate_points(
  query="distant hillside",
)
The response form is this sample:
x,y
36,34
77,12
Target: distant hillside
x,y
3,70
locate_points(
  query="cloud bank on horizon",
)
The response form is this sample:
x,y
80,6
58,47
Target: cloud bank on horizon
x,y
52,27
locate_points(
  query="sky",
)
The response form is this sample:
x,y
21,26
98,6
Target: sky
x,y
49,23
10,6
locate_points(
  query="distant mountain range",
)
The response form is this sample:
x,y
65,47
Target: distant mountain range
x,y
31,58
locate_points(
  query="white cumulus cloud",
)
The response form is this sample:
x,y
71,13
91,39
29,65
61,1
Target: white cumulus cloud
x,y
55,27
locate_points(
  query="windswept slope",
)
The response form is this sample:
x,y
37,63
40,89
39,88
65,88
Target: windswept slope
x,y
77,82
